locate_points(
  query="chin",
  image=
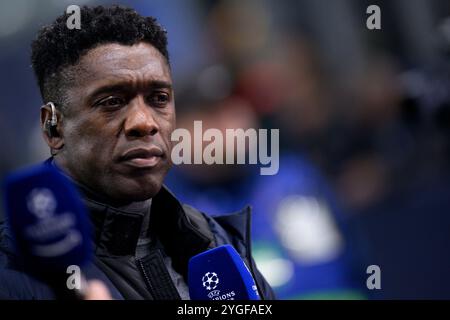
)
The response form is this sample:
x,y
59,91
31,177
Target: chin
x,y
139,191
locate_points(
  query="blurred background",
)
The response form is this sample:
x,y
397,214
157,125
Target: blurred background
x,y
364,119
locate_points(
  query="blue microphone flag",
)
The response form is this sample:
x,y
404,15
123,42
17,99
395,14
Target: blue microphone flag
x,y
48,220
220,274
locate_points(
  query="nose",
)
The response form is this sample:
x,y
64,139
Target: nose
x,y
140,121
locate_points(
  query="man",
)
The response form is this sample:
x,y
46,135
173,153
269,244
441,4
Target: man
x,y
108,115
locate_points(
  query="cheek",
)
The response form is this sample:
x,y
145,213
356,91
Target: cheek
x,y
86,141
167,125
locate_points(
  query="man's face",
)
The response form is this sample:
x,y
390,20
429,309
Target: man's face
x,y
117,128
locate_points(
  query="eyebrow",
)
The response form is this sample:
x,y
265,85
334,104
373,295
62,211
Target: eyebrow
x,y
125,86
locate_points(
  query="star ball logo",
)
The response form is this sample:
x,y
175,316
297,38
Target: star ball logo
x,y
51,235
210,281
41,203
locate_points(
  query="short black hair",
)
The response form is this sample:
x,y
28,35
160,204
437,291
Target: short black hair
x,y
57,47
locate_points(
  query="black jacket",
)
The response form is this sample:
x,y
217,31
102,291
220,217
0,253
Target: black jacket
x,y
181,230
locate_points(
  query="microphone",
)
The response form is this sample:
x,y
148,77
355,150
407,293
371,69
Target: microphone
x,y
49,225
220,274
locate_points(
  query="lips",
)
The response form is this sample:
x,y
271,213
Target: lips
x,y
142,158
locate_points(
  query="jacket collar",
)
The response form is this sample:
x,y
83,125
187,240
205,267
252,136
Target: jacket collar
x,y
182,234
116,230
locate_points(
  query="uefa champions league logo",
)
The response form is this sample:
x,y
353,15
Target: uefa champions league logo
x,y
42,203
210,281
52,234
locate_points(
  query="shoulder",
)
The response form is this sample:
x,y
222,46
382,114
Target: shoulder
x,y
233,229
7,252
15,284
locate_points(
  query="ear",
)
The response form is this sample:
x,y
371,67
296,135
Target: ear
x,y
53,135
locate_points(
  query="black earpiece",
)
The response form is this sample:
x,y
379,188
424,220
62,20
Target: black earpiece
x,y
50,125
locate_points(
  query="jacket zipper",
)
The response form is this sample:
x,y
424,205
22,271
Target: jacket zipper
x,y
147,279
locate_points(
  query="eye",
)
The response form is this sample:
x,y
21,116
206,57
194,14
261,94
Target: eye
x,y
111,102
160,98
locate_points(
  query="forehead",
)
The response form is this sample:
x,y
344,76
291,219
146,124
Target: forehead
x,y
114,61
